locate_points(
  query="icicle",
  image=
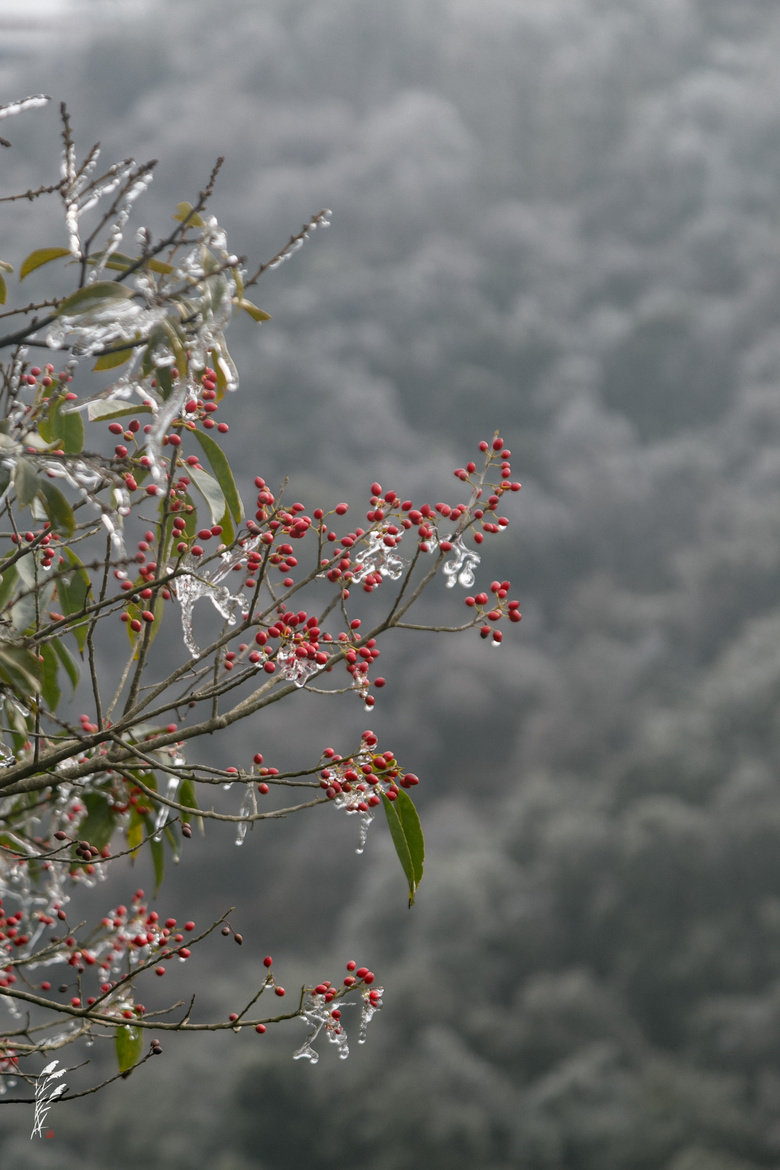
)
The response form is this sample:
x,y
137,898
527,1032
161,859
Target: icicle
x,y
246,810
460,567
377,557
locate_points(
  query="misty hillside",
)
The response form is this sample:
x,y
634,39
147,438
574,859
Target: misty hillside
x,y
560,218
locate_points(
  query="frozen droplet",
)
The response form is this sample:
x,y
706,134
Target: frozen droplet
x,y
460,566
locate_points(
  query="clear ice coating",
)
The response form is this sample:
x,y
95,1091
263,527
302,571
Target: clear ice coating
x,y
294,668
319,1015
377,557
461,565
205,582
28,103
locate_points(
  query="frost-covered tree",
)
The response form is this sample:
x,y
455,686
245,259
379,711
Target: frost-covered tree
x,y
119,512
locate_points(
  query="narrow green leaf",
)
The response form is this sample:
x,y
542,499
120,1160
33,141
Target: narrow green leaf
x,y
73,590
118,262
8,586
129,1045
26,481
221,468
109,361
158,858
135,834
57,508
3,290
211,492
39,257
188,798
67,660
49,689
88,297
254,312
406,831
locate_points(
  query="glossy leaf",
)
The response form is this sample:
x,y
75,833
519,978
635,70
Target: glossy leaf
x,y
158,860
224,476
50,690
118,262
188,799
135,834
211,492
64,427
67,660
21,669
26,481
256,313
40,257
99,824
406,831
8,585
87,298
109,361
58,508
108,408
73,590
129,1045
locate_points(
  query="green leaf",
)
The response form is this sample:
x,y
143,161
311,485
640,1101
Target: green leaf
x,y
108,408
99,824
49,690
3,290
109,361
65,427
73,590
57,508
221,468
8,586
158,859
187,797
39,257
67,660
406,831
26,481
135,834
183,211
21,669
87,298
211,492
118,262
254,312
129,1045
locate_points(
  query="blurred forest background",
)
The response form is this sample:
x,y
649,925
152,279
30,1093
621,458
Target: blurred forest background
x,y
558,217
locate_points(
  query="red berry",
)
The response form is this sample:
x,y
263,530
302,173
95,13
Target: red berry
x,y
279,991
268,961
260,1028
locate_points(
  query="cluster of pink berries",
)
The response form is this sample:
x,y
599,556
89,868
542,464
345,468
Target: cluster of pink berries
x,y
368,776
